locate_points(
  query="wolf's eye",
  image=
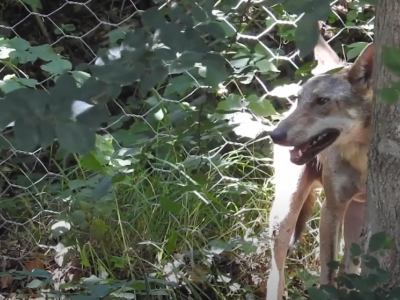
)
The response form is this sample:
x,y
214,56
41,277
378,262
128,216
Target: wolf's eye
x,y
322,100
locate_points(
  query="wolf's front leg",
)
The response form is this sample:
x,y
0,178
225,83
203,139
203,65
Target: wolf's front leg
x,y
353,226
341,184
293,184
329,227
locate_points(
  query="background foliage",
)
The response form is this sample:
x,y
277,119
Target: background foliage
x,y
132,163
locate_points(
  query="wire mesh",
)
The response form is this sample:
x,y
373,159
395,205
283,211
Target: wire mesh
x,y
33,182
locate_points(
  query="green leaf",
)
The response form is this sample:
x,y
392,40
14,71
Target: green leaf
x,y
33,3
383,275
260,107
169,205
28,102
333,265
180,85
116,74
118,178
9,86
102,188
356,261
13,84
355,49
23,57
185,62
306,68
231,104
57,67
18,44
389,95
372,2
64,93
214,70
194,42
28,82
296,6
172,36
91,162
78,217
199,14
75,138
44,52
93,116
39,273
378,241
47,133
213,28
394,294
153,18
319,9
80,77
26,133
322,9
265,66
316,294
391,58
218,246
98,229
35,283
332,292
117,34
136,37
370,262
100,291
156,76
307,34
355,249
98,91
170,247
118,262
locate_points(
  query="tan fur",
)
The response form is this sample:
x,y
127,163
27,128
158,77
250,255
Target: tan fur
x,y
342,118
357,156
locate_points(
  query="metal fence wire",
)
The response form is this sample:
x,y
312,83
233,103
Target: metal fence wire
x,y
37,187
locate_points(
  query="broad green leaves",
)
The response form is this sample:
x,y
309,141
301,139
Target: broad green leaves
x,y
391,59
42,116
355,49
75,138
33,3
307,31
365,287
307,34
390,95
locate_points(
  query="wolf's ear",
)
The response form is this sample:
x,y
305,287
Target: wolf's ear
x,y
360,74
325,56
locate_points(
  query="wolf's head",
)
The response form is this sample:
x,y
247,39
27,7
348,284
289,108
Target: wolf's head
x,y
331,107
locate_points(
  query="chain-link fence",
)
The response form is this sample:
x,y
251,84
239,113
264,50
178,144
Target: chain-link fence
x,y
167,176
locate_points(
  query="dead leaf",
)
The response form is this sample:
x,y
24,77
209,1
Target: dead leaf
x,y
34,264
6,281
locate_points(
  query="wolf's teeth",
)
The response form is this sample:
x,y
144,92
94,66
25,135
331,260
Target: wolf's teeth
x,y
300,153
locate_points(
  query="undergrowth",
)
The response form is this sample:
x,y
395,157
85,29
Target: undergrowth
x,y
148,178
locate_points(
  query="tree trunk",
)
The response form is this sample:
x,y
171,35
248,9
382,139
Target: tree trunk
x,y
383,183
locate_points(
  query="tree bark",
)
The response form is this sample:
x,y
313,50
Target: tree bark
x,y
383,183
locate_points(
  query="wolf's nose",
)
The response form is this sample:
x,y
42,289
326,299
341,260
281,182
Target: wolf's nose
x,y
278,136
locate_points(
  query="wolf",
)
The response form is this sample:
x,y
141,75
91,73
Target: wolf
x,y
328,130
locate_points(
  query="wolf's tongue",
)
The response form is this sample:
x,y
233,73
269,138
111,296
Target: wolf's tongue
x,y
294,154
298,152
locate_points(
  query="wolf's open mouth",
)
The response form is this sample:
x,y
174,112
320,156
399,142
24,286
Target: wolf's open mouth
x,y
303,153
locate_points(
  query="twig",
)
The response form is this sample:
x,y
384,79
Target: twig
x,y
41,24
